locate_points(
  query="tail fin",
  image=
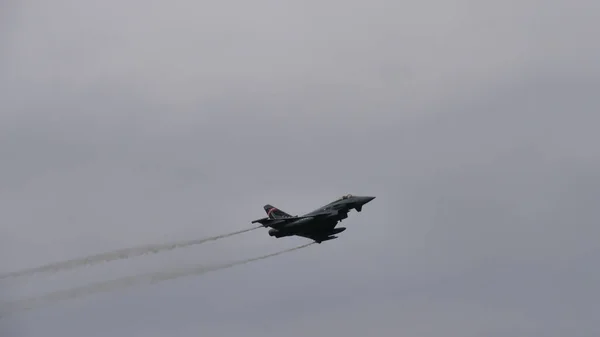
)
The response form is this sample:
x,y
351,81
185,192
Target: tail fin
x,y
274,212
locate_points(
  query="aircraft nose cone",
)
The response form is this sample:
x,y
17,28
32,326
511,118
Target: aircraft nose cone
x,y
366,199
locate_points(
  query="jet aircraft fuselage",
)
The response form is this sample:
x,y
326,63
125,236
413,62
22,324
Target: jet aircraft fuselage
x,y
318,225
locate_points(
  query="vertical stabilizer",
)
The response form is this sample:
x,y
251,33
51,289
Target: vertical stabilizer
x,y
274,212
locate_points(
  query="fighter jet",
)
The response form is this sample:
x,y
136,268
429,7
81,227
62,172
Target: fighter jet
x,y
318,225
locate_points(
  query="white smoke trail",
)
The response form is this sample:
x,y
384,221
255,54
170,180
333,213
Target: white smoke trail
x,y
149,278
116,255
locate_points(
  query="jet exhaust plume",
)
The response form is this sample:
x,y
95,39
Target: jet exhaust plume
x,y
116,284
117,255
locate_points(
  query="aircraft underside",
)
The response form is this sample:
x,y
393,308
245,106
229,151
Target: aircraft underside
x,y
319,233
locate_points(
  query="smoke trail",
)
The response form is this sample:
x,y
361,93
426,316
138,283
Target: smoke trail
x,y
149,278
117,255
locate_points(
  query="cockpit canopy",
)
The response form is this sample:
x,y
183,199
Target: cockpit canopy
x,y
347,196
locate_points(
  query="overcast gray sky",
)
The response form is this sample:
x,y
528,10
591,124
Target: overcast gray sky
x,y
474,123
